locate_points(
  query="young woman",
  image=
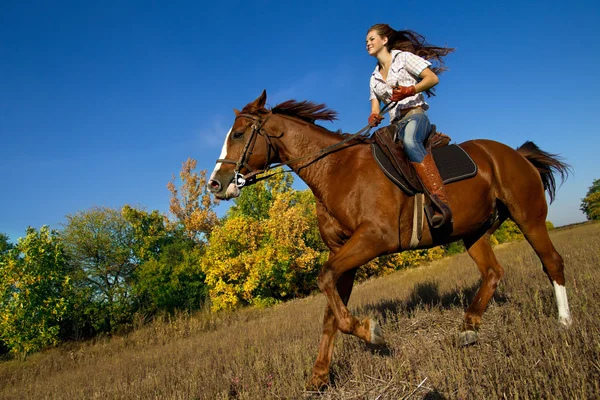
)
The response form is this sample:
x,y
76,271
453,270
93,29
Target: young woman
x,y
401,75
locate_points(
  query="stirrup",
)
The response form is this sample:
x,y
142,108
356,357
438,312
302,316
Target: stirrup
x,y
440,215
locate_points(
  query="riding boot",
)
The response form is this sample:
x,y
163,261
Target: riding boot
x,y
432,183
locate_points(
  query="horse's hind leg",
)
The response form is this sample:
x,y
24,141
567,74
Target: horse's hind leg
x,y
480,250
536,233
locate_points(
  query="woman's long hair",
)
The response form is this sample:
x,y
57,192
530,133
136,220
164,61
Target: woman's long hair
x,y
415,43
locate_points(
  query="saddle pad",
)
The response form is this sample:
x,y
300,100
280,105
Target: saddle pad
x,y
452,161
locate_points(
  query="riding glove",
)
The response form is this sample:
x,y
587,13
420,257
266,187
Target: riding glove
x,y
375,119
402,92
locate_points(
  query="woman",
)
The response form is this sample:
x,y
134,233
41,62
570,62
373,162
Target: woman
x,y
401,75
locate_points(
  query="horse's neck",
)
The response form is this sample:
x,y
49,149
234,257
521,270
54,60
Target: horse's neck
x,y
303,139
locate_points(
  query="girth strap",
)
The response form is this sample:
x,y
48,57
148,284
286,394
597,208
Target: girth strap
x,y
418,218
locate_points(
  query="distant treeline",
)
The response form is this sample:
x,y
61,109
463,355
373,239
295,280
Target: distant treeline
x,y
107,269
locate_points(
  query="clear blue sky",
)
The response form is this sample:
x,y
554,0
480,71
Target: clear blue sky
x,y
101,102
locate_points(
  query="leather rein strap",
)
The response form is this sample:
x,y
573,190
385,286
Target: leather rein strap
x,y
257,129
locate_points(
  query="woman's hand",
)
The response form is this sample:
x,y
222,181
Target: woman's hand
x,y
401,92
375,119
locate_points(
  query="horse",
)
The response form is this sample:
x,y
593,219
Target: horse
x,y
362,215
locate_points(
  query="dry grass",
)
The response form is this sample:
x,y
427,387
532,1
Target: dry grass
x,y
262,354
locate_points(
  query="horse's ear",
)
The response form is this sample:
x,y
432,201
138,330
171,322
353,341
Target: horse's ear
x,y
236,111
262,99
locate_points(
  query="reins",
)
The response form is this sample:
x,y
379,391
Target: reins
x,y
257,129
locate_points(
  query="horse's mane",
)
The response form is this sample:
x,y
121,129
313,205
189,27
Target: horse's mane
x,y
305,110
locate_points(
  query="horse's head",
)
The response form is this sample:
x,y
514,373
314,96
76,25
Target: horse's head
x,y
244,151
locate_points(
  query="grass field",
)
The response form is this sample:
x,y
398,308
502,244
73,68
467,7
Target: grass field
x,y
523,352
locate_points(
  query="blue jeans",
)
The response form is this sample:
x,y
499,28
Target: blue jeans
x,y
413,130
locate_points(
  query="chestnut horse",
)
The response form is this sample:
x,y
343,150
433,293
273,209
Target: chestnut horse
x,y
363,215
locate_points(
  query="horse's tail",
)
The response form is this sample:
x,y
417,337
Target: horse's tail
x,y
547,165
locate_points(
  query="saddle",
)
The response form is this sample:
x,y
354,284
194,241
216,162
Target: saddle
x,y
452,161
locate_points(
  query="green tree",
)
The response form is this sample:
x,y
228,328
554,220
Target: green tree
x,y
454,248
149,231
256,200
5,245
172,281
99,244
169,276
590,204
507,232
34,291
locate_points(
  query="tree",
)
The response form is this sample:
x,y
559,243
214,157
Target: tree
x,y
34,291
507,232
590,204
256,200
262,257
5,245
149,231
192,204
168,276
99,244
173,281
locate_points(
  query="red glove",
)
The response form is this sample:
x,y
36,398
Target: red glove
x,y
375,119
402,92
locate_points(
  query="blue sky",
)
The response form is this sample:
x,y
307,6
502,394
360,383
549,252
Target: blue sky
x,y
101,102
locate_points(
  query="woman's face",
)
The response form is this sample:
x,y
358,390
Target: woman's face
x,y
375,43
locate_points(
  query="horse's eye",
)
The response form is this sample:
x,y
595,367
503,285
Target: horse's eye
x,y
238,135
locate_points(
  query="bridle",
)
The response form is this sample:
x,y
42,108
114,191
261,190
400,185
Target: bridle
x,y
257,130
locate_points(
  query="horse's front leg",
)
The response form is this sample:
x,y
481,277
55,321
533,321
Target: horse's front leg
x,y
320,373
366,243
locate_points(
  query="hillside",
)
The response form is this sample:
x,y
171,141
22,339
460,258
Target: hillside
x,y
257,354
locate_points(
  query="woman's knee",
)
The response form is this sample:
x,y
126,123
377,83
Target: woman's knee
x,y
422,127
409,136
413,142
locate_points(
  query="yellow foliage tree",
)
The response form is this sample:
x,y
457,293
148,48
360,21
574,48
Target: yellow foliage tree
x,y
191,204
229,260
264,261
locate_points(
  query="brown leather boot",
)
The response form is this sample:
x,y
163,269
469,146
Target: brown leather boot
x,y
434,186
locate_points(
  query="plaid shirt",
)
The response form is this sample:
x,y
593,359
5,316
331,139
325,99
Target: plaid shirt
x,y
404,71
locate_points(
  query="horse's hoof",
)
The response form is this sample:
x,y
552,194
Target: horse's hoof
x,y
467,338
376,333
565,321
317,384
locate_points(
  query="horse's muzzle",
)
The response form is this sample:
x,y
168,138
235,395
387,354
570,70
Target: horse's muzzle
x,y
214,186
223,193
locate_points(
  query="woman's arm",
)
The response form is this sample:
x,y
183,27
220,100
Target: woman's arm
x,y
428,80
375,106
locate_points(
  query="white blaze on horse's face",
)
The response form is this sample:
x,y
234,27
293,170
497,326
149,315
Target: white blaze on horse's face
x,y
222,156
232,190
